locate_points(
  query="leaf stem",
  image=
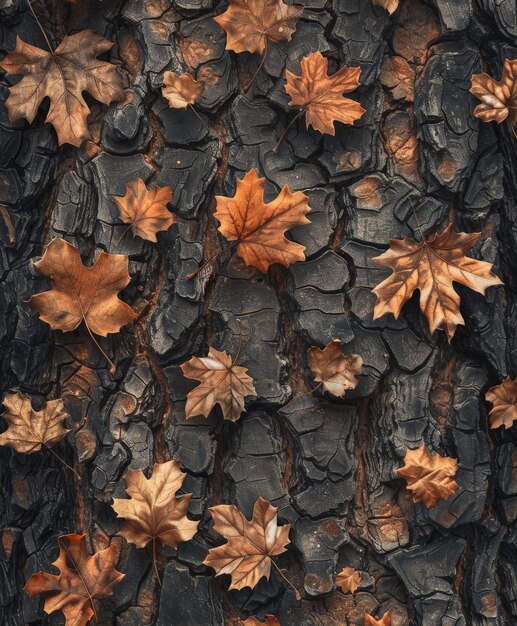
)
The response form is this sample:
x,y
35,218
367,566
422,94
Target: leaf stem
x,y
69,467
302,395
200,118
210,259
297,593
8,223
261,65
282,136
29,2
112,367
155,563
239,326
417,220
123,234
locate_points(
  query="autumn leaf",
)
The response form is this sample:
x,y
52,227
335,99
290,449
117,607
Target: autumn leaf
x,y
62,76
259,228
221,382
504,399
81,580
371,621
181,91
432,266
335,371
320,96
145,209
389,5
250,23
498,99
348,580
429,477
270,620
246,556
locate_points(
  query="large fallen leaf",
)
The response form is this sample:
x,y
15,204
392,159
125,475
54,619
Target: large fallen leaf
x,y
504,399
371,621
432,266
145,209
389,5
320,96
250,23
270,620
259,228
246,557
498,99
62,77
180,91
221,382
429,477
335,371
81,580
348,580
28,430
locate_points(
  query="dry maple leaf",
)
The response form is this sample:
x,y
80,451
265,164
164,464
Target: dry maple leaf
x,y
145,209
181,91
251,544
270,620
371,621
250,23
221,382
429,477
259,228
432,266
320,96
498,99
348,580
389,5
62,76
504,399
335,371
82,579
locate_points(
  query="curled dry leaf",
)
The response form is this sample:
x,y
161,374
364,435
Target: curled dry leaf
x,y
390,5
321,95
270,620
180,91
371,621
250,23
81,580
62,77
335,371
246,557
504,399
432,266
145,209
429,477
348,580
259,228
498,99
221,382
29,430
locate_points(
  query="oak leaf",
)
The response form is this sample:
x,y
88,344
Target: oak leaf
x,y
180,91
431,266
221,382
348,580
270,620
259,228
321,95
498,99
389,5
371,621
335,371
250,23
62,76
28,429
251,544
504,399
429,477
81,580
145,209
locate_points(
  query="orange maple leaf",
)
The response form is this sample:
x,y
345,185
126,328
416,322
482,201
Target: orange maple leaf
x,y
371,621
335,371
389,5
504,399
498,99
270,620
181,91
348,580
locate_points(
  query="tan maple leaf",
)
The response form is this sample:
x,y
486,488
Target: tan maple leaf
x,y
429,477
335,371
320,96
145,209
221,382
181,91
498,99
250,23
270,620
431,266
62,76
369,620
348,580
246,556
259,228
504,399
389,5
81,580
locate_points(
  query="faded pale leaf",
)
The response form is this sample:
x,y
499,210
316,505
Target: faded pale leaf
x,y
337,372
180,91
348,580
498,99
390,5
246,557
371,621
504,399
431,266
259,228
270,620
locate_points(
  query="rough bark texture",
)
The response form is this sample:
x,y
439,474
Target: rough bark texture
x,y
327,464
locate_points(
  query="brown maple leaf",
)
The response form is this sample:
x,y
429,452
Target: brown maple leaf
x,y
429,477
181,91
145,209
431,266
504,399
389,5
81,580
498,99
62,76
371,621
250,23
270,620
259,228
221,382
348,580
335,371
320,96
246,557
